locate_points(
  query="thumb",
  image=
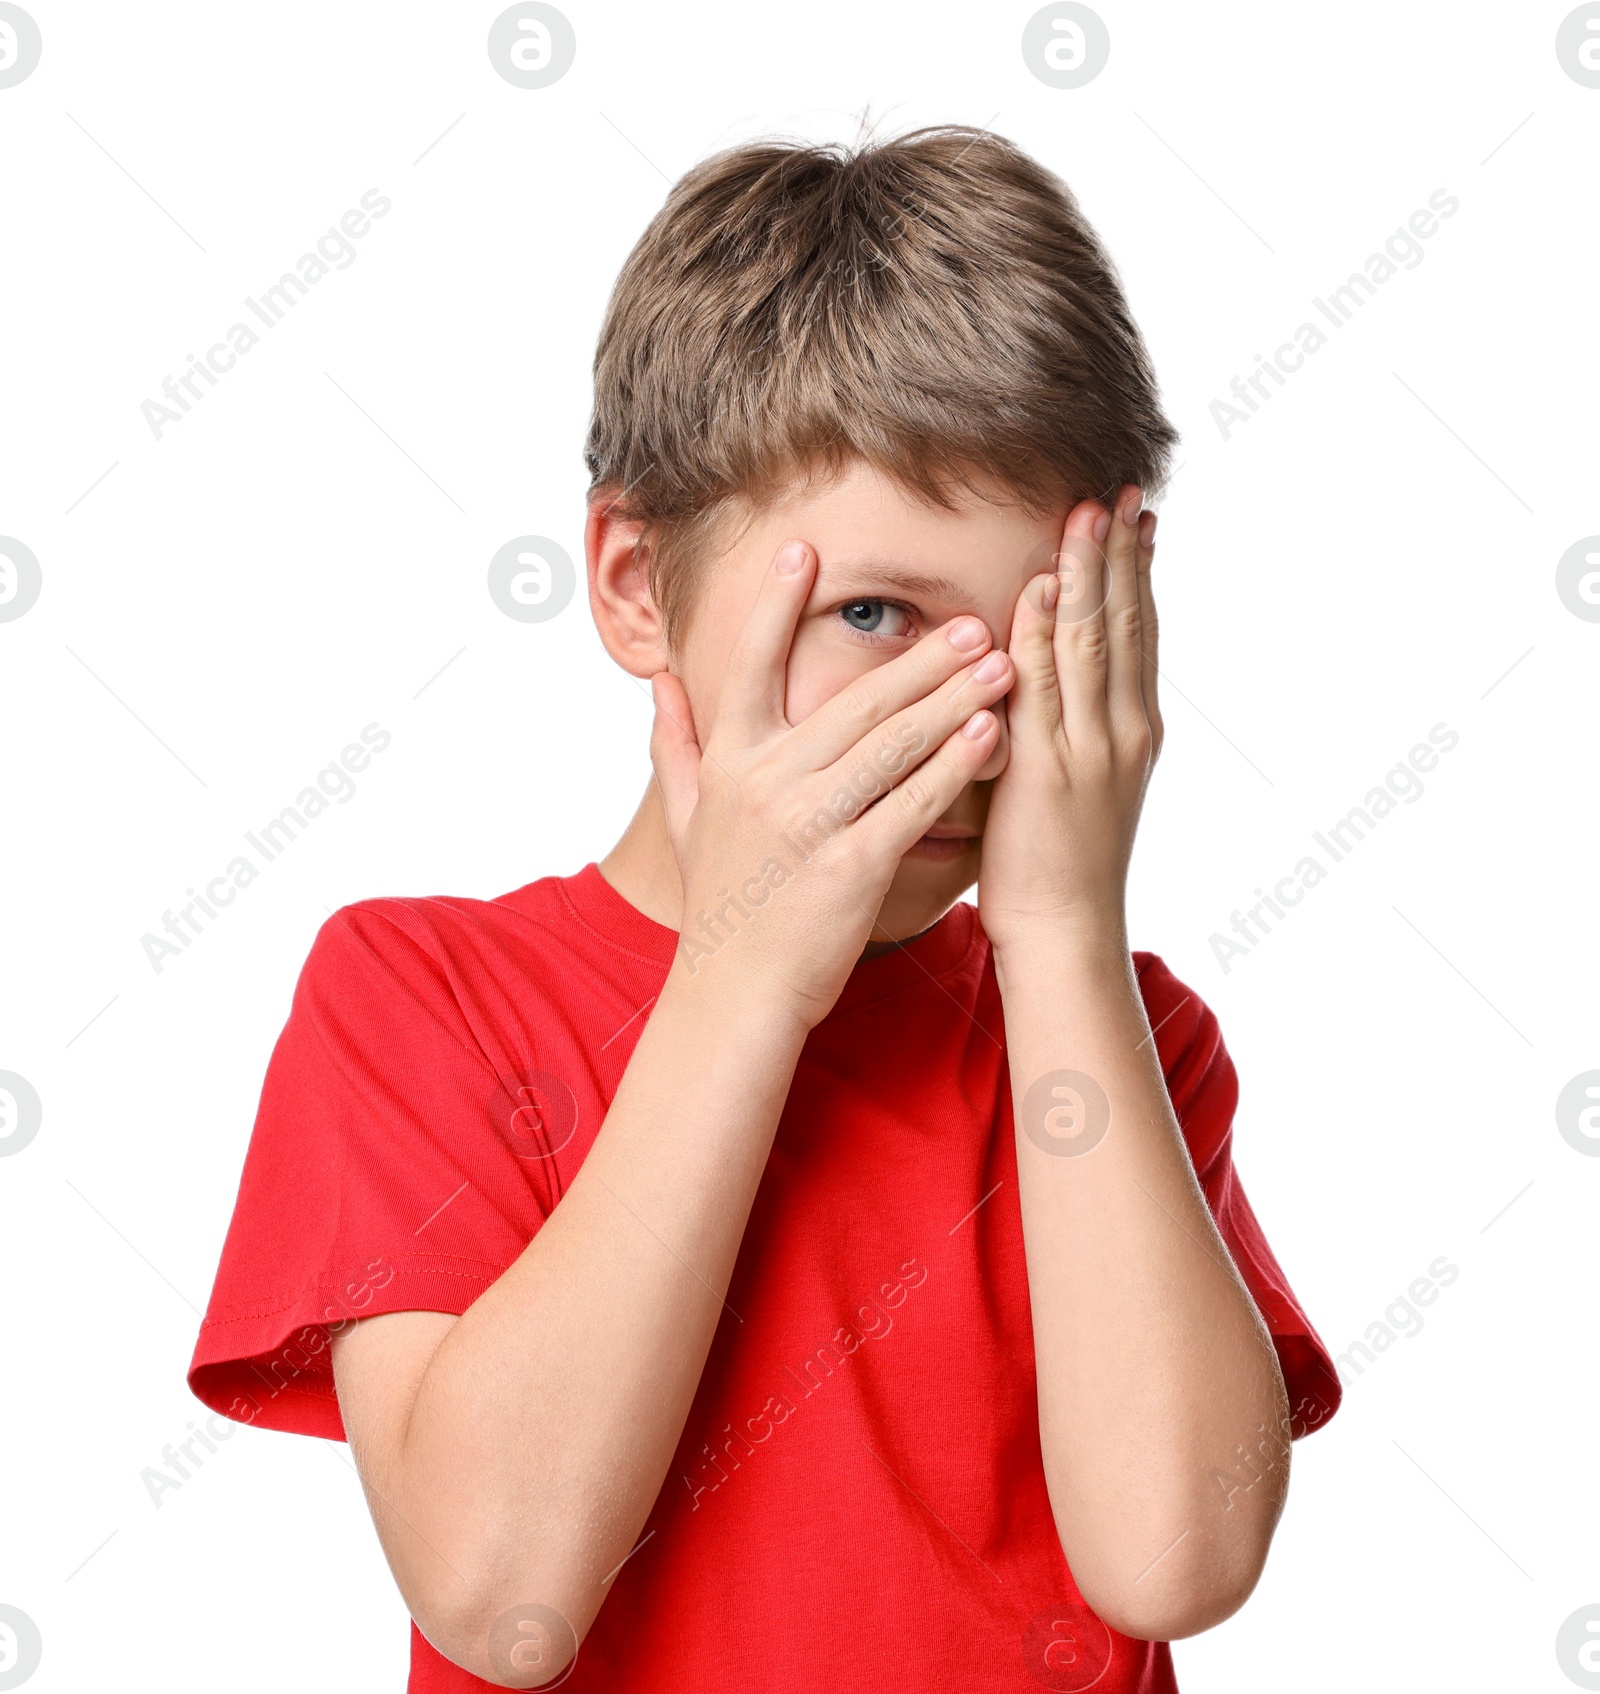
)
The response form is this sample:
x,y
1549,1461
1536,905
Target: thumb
x,y
674,753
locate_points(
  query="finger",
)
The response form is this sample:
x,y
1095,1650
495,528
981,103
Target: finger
x,y
1035,701
1149,673
751,706
840,723
1124,660
674,753
927,793
889,754
1079,636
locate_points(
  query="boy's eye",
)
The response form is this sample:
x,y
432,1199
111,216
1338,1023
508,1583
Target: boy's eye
x,y
876,617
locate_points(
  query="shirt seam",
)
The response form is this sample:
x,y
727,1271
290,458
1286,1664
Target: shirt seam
x,y
247,1312
599,934
975,944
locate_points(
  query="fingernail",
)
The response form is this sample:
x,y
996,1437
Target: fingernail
x,y
1130,506
1147,530
965,634
1050,593
1102,525
992,668
791,559
977,726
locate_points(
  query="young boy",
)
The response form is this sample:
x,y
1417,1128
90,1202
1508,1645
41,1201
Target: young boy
x,y
741,1265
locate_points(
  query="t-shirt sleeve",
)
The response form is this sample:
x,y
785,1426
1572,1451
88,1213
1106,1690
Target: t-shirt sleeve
x,y
1204,1089
376,1179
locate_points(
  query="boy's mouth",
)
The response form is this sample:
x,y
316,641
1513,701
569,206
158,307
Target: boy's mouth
x,y
943,842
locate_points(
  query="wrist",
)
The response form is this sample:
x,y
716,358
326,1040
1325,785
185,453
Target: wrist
x,y
1087,945
756,1016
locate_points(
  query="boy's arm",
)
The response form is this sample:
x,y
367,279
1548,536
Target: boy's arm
x,y
512,1455
1154,1366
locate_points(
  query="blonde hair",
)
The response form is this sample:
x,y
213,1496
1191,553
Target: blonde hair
x,y
935,304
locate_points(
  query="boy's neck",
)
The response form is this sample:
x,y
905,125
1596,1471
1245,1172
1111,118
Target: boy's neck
x,y
643,868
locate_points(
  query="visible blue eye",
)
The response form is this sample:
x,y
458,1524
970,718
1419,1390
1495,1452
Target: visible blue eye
x,y
876,617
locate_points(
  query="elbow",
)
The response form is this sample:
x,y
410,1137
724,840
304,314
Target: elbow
x,y
1180,1610
525,1644
1200,1579
1168,1604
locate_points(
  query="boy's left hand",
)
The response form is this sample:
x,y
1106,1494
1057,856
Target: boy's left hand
x,y
1085,733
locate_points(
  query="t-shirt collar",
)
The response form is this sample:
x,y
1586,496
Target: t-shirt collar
x,y
922,959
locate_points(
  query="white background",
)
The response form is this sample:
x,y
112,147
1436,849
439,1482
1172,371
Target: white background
x,y
227,606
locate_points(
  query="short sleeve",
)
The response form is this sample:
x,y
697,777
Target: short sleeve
x,y
1204,1089
375,1179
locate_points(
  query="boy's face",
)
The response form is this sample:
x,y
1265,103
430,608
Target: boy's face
x,y
889,570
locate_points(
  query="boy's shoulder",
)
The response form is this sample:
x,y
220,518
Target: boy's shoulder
x,y
563,913
547,962
547,924
570,951
421,916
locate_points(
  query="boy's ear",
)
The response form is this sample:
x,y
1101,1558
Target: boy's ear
x,y
626,616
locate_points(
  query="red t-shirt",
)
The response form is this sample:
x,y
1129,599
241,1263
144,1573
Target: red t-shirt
x,y
857,1501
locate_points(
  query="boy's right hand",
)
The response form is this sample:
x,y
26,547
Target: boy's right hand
x,y
804,825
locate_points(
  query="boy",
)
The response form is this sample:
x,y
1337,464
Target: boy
x,y
742,1260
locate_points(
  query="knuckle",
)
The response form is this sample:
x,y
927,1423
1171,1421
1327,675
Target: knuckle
x,y
876,785
1126,623
895,746
1136,742
862,704
917,792
851,861
868,782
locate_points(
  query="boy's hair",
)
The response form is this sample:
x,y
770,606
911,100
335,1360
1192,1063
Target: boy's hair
x,y
935,305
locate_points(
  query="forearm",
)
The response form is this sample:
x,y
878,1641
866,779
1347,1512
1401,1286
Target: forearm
x,y
521,1466
1154,1366
544,1424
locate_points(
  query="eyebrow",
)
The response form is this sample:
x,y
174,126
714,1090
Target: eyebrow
x,y
870,572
